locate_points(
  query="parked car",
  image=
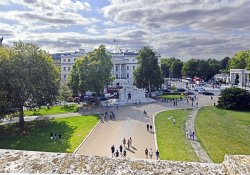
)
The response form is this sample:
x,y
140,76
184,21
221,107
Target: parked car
x,y
181,90
201,91
188,93
207,93
198,88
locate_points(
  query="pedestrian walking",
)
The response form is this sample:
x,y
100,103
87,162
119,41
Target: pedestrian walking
x,y
124,153
157,154
124,142
151,153
130,141
112,150
146,153
121,148
193,135
147,127
174,121
190,134
117,153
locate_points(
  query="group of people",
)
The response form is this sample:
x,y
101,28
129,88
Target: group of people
x,y
55,136
190,134
107,114
121,150
149,127
149,153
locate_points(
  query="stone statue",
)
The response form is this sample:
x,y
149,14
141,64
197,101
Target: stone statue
x,y
129,96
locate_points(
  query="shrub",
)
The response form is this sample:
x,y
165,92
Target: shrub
x,y
234,98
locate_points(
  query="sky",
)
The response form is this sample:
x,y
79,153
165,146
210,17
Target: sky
x,y
173,28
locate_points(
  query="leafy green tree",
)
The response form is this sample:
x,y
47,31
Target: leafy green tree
x,y
240,60
202,69
214,67
171,67
148,73
64,93
92,72
73,78
28,76
189,68
165,67
224,63
234,98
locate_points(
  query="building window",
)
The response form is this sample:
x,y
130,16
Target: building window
x,y
127,67
116,68
68,68
116,76
64,68
68,60
64,77
127,75
133,67
64,60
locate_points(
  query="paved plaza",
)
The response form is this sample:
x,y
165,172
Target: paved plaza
x,y
131,122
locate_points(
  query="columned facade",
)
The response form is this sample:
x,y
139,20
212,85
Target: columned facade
x,y
240,77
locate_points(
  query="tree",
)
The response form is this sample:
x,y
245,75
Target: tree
x,y
28,75
234,98
213,68
91,72
224,63
240,60
165,67
190,67
64,93
148,73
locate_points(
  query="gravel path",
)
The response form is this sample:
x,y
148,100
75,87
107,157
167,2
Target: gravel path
x,y
190,126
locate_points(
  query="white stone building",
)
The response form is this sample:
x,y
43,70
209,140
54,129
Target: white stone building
x,y
240,76
124,65
67,61
222,77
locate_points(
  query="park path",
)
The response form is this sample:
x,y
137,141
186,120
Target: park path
x,y
200,152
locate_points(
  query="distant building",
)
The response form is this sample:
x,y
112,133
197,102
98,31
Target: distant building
x,y
240,77
67,61
223,77
124,65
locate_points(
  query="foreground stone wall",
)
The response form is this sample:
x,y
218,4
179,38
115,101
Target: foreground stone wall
x,y
12,161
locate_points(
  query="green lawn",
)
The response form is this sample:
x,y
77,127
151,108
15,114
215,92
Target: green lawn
x,y
223,132
53,110
171,139
72,129
170,97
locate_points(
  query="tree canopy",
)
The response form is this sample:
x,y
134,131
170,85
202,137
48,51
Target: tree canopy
x,y
241,60
171,67
148,73
234,98
28,76
91,72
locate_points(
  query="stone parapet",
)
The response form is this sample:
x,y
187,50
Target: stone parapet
x,y
12,161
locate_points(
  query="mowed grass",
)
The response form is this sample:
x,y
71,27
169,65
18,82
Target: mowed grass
x,y
171,139
53,110
72,129
223,132
170,97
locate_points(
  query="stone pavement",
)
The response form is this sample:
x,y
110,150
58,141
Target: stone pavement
x,y
190,126
131,122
